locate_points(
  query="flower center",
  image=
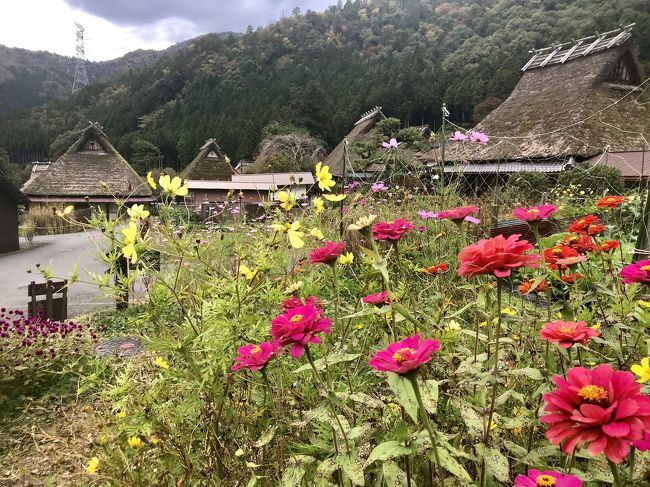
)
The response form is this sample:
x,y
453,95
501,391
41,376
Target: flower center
x,y
645,268
592,393
256,349
545,481
403,354
567,329
557,251
287,227
611,200
533,211
296,319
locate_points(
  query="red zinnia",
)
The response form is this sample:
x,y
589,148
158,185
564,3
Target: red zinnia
x,y
600,407
552,255
572,278
457,214
294,302
581,224
404,356
610,202
567,333
299,327
609,245
327,254
583,243
497,256
378,299
547,478
596,229
255,357
636,272
534,213
526,286
434,269
391,230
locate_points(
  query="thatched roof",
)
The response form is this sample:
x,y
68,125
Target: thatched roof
x,y
361,128
570,102
287,153
7,188
80,172
209,164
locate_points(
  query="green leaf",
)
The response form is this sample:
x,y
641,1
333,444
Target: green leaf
x,y
266,437
368,311
516,450
395,476
295,470
252,482
471,366
495,462
387,451
430,396
352,467
529,372
331,359
405,313
450,464
405,394
472,420
380,265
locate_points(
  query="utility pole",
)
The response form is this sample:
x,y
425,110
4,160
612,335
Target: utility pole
x,y
80,75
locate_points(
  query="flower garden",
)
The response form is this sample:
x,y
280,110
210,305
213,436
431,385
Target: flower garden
x,y
369,336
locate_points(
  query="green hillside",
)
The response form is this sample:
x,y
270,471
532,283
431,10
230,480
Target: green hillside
x,y
320,71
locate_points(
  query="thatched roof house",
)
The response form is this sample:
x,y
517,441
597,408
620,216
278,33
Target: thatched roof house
x,y
210,164
293,152
574,101
90,172
10,198
361,128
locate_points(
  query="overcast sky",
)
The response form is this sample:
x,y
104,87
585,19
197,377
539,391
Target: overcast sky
x,y
115,27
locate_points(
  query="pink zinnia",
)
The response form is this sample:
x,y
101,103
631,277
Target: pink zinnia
x,y
567,333
378,299
549,478
391,230
405,356
298,327
255,357
636,272
457,214
294,302
601,408
458,136
479,137
497,256
327,254
534,213
644,444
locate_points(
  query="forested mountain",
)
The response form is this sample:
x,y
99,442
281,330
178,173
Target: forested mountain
x,y
321,71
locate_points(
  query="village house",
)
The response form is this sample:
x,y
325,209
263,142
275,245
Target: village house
x,y
577,101
90,175
10,198
210,164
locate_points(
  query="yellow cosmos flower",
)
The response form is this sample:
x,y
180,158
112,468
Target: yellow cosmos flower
x,y
483,324
319,205
644,304
642,370
317,234
362,223
346,259
137,212
509,311
120,415
93,465
174,187
597,326
295,236
324,178
452,325
154,440
135,442
334,197
359,326
292,288
128,249
248,273
287,199
160,362
150,180
66,211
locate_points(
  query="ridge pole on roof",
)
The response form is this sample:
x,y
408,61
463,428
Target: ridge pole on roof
x,y
591,47
615,39
571,51
531,61
550,56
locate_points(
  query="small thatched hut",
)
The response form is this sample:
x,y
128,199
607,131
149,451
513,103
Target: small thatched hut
x,y
288,153
574,101
210,164
91,173
10,198
335,160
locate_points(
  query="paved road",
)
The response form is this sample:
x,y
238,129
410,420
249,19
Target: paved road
x,y
59,253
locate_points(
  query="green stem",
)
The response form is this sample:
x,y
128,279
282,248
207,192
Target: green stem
x,y
632,463
495,373
428,425
617,478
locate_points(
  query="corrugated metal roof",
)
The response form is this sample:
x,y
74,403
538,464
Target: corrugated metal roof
x,y
633,164
279,179
509,167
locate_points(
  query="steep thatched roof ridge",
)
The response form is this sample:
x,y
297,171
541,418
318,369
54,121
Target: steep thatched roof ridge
x,y
209,164
90,161
576,109
8,188
365,124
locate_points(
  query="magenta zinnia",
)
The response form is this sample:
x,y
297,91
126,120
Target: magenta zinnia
x,y
405,356
547,478
457,214
378,299
636,272
327,254
299,327
497,256
534,213
255,357
600,408
391,230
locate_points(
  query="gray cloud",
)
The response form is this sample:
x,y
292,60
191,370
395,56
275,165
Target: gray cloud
x,y
206,15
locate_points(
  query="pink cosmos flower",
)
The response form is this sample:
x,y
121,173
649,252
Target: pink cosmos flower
x,y
471,219
636,272
378,299
298,327
378,186
479,138
601,408
294,301
392,144
549,478
391,230
458,136
534,213
426,215
457,214
497,256
567,333
405,356
644,444
327,254
255,357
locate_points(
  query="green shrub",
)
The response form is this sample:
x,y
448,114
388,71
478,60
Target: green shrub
x,y
528,187
599,179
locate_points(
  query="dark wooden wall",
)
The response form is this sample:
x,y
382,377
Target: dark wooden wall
x,y
8,224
